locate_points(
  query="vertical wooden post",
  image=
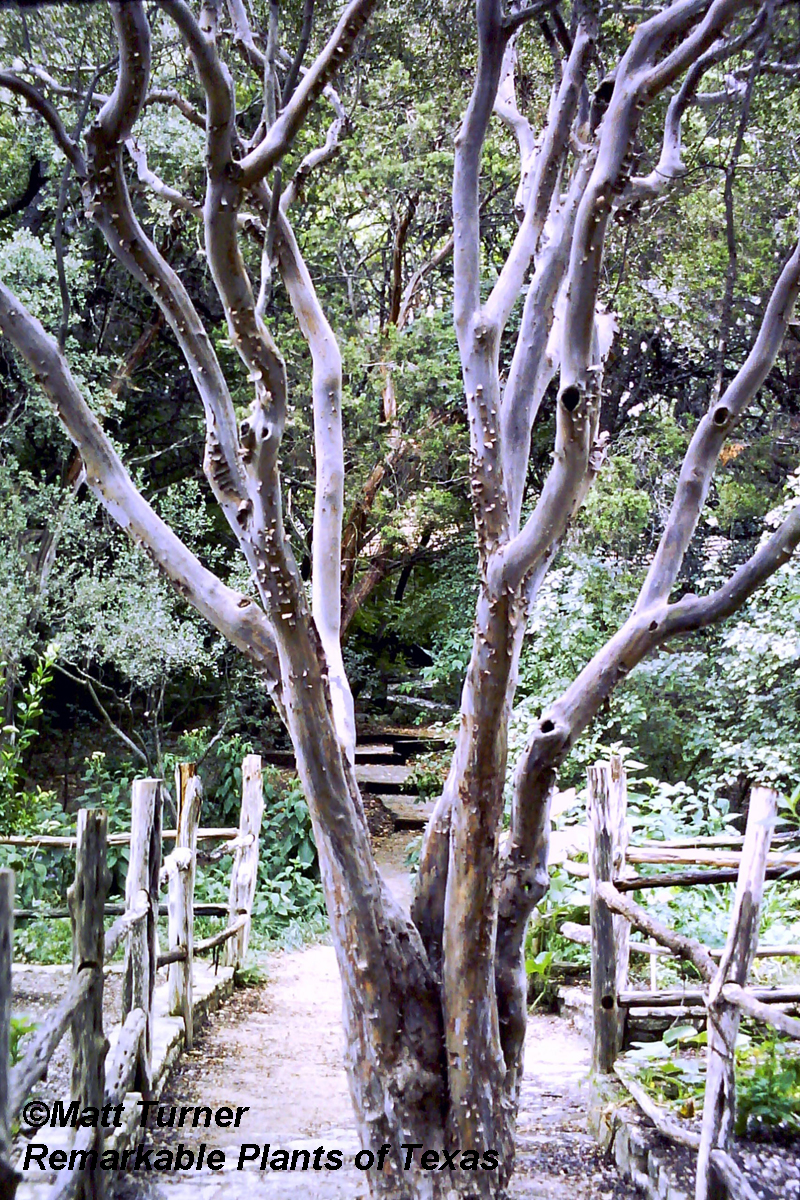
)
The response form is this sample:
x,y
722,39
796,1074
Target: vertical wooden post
x,y
245,863
141,957
8,1176
181,868
184,772
619,848
87,897
606,810
723,1018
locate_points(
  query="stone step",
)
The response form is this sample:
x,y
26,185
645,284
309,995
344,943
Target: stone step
x,y
407,812
390,777
372,755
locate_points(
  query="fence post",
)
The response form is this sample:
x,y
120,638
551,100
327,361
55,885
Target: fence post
x,y
723,1018
181,867
87,896
141,957
606,815
8,1176
620,838
245,862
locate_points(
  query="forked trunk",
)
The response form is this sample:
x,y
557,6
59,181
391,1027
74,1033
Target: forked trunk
x,y
434,1101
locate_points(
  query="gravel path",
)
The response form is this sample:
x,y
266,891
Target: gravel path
x,y
277,1049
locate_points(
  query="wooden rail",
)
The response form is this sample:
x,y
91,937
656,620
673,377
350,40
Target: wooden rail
x,y
724,994
101,1077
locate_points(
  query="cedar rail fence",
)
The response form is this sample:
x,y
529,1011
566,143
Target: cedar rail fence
x,y
101,1076
724,992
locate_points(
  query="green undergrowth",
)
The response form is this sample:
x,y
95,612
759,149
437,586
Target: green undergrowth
x,y
288,908
673,1071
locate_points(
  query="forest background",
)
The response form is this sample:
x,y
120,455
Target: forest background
x,y
107,674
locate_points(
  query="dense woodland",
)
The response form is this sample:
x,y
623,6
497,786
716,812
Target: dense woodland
x,y
685,276
107,672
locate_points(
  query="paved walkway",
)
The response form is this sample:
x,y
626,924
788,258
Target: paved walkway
x,y
277,1050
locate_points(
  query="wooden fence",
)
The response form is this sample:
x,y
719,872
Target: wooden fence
x,y
724,993
99,1076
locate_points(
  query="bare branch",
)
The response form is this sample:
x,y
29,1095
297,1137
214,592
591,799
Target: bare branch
x,y
529,13
155,183
173,99
532,368
637,82
243,37
237,617
684,947
697,612
326,543
108,201
546,169
505,105
104,713
278,139
321,154
47,111
492,39
670,165
710,435
302,47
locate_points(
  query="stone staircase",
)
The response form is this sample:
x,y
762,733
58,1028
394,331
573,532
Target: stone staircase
x,y
383,756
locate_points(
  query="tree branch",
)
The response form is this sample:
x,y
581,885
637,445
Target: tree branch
x,y
545,172
533,365
492,39
173,99
236,616
155,183
47,111
108,200
326,542
670,165
112,725
321,154
277,140
710,435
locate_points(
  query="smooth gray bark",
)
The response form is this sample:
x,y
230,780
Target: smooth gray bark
x,y
434,1006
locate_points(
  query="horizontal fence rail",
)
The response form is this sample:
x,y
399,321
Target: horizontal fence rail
x,y
723,995
100,1076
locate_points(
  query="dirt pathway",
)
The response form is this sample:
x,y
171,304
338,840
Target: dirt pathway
x,y
276,1050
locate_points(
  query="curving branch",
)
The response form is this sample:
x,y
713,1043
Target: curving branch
x,y
507,109
108,201
639,79
149,178
326,543
533,366
277,140
236,616
243,37
698,612
492,40
48,112
320,155
670,166
545,170
173,99
712,432
529,12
